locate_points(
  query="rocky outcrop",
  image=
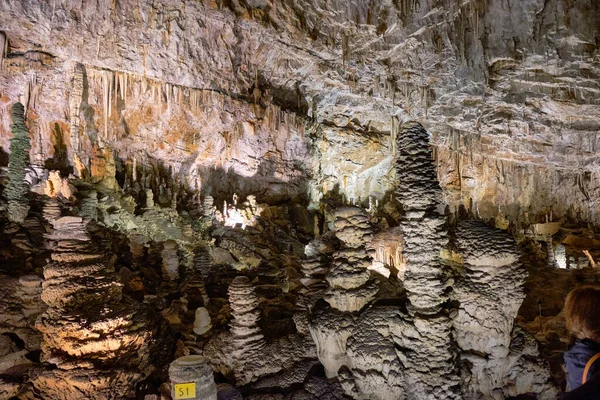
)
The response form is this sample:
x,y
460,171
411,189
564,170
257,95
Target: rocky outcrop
x,y
16,189
96,343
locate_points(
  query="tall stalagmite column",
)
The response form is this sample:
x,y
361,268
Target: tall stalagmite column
x,y
430,362
16,189
96,343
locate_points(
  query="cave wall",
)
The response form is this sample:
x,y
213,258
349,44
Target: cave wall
x,y
284,92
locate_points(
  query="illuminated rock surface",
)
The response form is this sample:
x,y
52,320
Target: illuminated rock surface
x,y
91,335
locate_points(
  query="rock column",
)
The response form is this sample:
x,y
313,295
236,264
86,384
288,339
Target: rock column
x,y
16,189
96,343
350,286
430,355
490,291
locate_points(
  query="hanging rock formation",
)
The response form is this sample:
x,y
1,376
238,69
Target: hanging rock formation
x,y
75,107
16,189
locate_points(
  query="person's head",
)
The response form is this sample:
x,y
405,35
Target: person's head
x,y
582,312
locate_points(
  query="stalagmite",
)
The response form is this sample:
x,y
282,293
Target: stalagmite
x,y
350,287
16,189
96,343
170,260
201,321
490,291
3,49
245,343
431,360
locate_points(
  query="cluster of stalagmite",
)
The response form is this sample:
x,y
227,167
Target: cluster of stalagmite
x,y
96,343
490,290
350,286
430,356
16,189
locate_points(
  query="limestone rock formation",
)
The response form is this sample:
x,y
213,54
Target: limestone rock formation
x,y
75,107
202,321
242,353
164,109
20,145
430,359
246,340
350,286
386,251
96,343
490,291
170,260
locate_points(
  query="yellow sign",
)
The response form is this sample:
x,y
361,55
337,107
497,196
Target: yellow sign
x,y
185,390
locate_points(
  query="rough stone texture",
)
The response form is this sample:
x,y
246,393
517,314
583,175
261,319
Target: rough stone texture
x,y
20,306
305,101
170,260
386,251
350,286
430,359
500,88
490,291
242,353
245,355
360,351
96,343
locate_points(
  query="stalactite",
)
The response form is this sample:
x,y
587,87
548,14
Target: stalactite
x,y
3,49
75,105
31,93
106,84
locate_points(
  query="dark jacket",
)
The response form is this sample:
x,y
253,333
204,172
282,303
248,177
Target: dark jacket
x,y
576,359
589,391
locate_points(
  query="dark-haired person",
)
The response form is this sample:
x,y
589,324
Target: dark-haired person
x,y
582,311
